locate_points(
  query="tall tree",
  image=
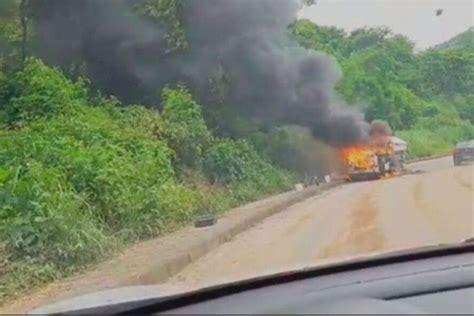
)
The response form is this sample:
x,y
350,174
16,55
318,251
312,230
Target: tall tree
x,y
24,17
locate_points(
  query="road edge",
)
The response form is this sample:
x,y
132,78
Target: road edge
x,y
165,269
159,268
428,158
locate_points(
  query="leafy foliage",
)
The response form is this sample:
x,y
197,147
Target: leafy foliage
x,y
169,12
184,127
80,175
237,164
295,149
384,76
320,38
10,34
38,91
228,161
462,40
446,72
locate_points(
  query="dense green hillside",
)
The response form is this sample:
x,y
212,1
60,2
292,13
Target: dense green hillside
x,y
463,40
427,97
80,175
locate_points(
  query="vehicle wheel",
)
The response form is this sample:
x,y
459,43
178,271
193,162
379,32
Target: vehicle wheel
x,y
457,163
395,164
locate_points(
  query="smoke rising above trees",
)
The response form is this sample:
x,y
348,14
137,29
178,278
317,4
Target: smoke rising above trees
x,y
234,53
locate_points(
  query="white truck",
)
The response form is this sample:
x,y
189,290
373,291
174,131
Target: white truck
x,y
400,148
379,161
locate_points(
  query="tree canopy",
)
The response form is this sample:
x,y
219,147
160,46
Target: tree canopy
x,y
383,74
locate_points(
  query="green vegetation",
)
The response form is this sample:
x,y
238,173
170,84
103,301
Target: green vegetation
x,y
82,174
427,97
462,40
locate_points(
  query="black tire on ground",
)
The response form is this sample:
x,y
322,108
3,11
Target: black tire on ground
x,y
457,162
364,177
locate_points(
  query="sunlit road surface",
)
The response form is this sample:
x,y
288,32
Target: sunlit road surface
x,y
354,220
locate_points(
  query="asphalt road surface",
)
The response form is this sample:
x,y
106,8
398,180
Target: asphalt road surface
x,y
436,206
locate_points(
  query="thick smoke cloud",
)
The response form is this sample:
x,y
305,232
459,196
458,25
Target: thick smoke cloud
x,y
267,77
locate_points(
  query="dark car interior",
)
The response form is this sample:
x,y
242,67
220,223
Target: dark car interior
x,y
431,281
435,280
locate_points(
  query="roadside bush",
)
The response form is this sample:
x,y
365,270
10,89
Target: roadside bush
x,y
434,141
178,203
438,133
115,168
137,117
43,217
48,230
79,176
184,128
38,91
229,161
295,149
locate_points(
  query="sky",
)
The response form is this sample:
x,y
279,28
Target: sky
x,y
415,19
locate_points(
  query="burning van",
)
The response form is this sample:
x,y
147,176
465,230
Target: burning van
x,y
382,156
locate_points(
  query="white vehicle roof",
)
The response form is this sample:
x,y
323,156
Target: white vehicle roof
x,y
399,144
397,140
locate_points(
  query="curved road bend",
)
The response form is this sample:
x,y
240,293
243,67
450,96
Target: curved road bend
x,y
363,218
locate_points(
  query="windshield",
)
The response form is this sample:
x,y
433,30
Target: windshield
x,y
190,143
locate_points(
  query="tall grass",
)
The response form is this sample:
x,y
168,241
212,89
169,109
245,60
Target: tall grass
x,y
424,142
80,177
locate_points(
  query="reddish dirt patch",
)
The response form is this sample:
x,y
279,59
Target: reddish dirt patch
x,y
362,235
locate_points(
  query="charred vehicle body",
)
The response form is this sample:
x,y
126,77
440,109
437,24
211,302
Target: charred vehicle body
x,y
382,156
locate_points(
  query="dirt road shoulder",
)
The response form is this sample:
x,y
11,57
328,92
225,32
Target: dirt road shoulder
x,y
156,260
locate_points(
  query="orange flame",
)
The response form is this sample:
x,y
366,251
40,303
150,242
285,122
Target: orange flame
x,y
359,156
364,156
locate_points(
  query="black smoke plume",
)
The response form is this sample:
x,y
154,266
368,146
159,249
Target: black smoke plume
x,y
243,44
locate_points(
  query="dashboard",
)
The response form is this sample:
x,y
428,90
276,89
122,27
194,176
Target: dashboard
x,y
441,285
438,280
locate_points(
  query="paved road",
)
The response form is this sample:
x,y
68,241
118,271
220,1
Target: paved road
x,y
357,219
